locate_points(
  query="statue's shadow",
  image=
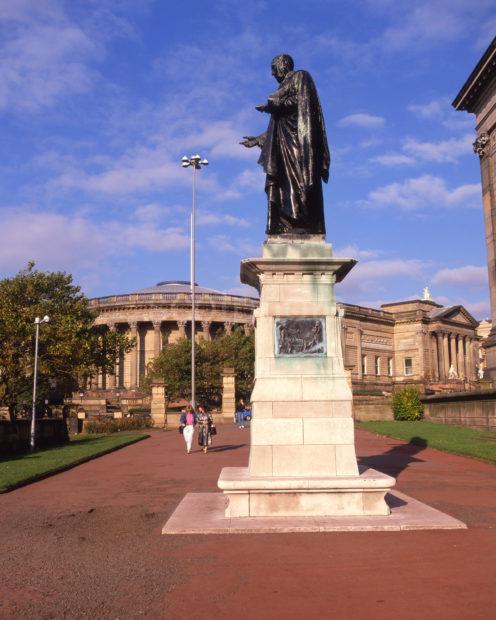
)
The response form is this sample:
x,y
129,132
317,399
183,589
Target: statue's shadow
x,y
395,460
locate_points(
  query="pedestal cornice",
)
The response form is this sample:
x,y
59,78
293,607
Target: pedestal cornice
x,y
252,268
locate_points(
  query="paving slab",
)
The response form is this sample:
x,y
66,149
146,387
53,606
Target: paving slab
x,y
203,513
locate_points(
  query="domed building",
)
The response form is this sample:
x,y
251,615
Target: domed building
x,y
409,342
161,315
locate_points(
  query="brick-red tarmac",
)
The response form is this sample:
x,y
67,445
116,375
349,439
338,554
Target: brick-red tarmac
x,y
87,544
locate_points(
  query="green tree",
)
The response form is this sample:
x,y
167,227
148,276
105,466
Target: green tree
x,y
71,350
173,366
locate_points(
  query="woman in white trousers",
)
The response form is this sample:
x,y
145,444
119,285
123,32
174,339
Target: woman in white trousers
x,y
188,421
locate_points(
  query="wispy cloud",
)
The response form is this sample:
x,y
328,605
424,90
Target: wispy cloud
x,y
362,120
424,192
468,276
239,246
443,151
76,242
416,151
393,159
377,274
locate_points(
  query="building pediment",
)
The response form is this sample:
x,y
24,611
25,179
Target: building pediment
x,y
456,314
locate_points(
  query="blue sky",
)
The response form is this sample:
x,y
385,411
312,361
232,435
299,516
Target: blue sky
x,y
99,100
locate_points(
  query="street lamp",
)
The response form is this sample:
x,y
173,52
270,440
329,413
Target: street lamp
x,y
37,322
196,162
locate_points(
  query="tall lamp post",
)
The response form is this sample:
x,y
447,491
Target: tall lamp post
x,y
196,163
37,322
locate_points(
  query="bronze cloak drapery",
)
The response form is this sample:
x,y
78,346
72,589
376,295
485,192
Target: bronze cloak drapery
x,y
295,158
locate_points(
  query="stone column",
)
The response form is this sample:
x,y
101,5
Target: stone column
x,y
134,355
468,358
434,356
157,338
459,356
228,393
452,344
182,328
248,329
110,378
440,356
206,330
446,354
484,147
228,328
359,353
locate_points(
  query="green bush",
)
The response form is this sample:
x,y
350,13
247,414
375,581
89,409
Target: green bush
x,y
113,426
407,405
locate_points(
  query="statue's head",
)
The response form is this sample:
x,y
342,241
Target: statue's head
x,y
281,66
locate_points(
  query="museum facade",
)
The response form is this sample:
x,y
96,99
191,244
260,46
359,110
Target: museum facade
x,y
408,342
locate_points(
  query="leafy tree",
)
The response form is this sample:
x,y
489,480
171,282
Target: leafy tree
x,y
173,366
71,350
407,404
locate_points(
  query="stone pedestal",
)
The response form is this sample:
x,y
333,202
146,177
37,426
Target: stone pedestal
x,y
302,454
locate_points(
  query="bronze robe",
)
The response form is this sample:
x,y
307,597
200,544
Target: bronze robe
x,y
295,158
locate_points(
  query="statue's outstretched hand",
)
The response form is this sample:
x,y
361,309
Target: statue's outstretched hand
x,y
250,141
262,108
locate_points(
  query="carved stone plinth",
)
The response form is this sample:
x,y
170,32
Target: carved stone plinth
x,y
302,453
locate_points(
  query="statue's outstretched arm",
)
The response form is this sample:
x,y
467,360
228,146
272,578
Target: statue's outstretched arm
x,y
251,141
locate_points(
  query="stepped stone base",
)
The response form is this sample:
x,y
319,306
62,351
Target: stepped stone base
x,y
251,496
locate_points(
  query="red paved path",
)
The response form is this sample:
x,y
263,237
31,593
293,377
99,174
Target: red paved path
x,y
87,544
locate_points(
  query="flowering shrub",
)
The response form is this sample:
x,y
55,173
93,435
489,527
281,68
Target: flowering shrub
x,y
113,426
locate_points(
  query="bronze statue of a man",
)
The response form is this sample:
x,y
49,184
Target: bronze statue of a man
x,y
295,155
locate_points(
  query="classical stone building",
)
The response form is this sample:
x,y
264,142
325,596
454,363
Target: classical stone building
x,y
415,341
478,96
161,315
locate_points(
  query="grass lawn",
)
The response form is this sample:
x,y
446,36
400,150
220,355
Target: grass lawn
x,y
18,470
446,437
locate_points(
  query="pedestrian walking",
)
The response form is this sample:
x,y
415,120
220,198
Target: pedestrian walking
x,y
206,428
187,423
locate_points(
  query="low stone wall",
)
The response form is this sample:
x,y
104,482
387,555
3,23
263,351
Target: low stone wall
x,y
367,409
473,409
15,438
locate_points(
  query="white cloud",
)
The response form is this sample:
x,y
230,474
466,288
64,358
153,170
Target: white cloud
x,y
353,251
427,23
443,151
242,247
441,112
426,191
369,277
152,212
415,151
467,276
362,120
479,309
43,55
57,241
393,159
205,217
432,110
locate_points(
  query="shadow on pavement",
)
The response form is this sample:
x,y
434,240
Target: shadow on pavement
x,y
396,459
227,447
